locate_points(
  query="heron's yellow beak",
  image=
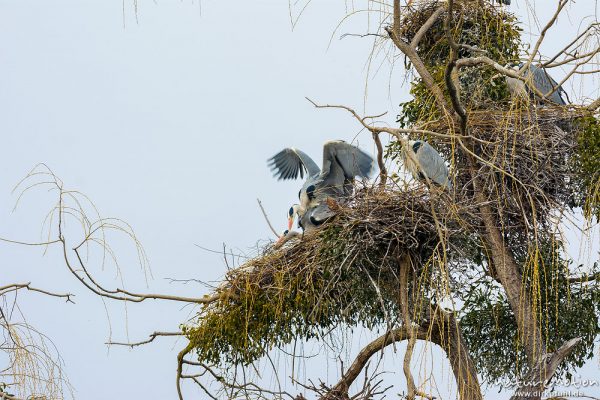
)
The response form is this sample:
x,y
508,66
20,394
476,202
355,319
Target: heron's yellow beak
x,y
290,222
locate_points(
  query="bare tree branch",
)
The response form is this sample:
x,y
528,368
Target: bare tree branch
x,y
377,129
426,26
363,357
584,278
404,265
536,47
573,58
17,286
549,63
129,296
151,338
29,243
180,358
380,162
450,83
411,53
473,61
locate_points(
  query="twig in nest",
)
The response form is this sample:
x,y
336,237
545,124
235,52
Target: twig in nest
x,y
267,218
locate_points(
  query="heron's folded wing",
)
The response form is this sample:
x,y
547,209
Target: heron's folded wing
x,y
547,85
433,165
557,94
320,214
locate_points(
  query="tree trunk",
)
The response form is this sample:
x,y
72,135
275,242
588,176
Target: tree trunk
x,y
446,333
511,279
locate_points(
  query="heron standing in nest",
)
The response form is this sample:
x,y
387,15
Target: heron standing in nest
x,y
538,78
424,162
342,162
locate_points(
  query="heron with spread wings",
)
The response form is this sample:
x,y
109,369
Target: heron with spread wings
x,y
342,163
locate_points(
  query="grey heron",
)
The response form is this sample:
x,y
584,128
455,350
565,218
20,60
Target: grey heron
x,y
342,162
422,160
314,217
538,78
311,218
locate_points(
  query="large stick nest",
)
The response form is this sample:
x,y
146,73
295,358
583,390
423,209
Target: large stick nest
x,y
533,159
346,273
531,162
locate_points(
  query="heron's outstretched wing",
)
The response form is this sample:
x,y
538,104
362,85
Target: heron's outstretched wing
x,y
345,161
544,83
432,164
342,162
290,162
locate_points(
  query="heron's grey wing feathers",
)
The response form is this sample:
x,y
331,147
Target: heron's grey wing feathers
x,y
309,164
352,160
342,162
556,95
433,165
316,216
290,163
321,212
544,83
332,183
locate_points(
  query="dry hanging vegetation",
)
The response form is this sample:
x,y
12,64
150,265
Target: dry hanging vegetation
x,y
480,270
33,367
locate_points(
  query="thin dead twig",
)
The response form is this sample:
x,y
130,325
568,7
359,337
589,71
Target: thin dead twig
x,y
264,213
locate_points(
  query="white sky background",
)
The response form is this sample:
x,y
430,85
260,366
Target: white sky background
x,y
167,123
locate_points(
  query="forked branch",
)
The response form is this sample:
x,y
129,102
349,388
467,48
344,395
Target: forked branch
x,y
363,357
13,287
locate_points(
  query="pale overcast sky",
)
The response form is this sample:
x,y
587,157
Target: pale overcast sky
x,y
167,122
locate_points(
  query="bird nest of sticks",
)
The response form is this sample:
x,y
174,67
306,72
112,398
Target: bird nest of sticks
x,y
481,28
345,273
533,159
533,162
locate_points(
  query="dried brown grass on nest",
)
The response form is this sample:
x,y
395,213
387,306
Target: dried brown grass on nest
x,y
411,220
343,274
523,151
525,159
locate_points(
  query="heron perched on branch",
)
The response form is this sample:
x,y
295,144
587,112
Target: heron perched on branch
x,y
342,162
538,78
424,162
